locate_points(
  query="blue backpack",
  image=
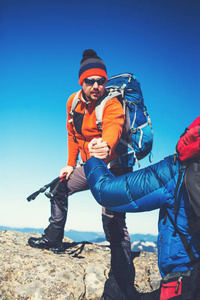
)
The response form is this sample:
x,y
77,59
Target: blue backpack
x,y
137,138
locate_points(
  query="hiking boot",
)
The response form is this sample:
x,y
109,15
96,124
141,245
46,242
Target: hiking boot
x,y
43,243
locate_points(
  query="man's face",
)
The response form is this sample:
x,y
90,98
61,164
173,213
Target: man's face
x,y
93,91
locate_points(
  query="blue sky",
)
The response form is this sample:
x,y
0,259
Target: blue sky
x,y
41,48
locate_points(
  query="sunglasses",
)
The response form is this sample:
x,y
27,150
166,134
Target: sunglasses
x,y
100,81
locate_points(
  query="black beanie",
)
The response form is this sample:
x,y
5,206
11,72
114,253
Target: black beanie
x,y
91,65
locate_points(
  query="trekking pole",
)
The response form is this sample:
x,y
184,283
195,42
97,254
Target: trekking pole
x,y
51,194
45,187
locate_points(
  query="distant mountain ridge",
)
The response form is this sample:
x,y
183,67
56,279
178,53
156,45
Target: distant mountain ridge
x,y
139,242
144,246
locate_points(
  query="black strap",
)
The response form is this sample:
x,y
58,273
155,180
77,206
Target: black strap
x,y
187,246
182,170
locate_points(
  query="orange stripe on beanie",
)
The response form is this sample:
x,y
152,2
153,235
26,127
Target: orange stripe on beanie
x,y
91,65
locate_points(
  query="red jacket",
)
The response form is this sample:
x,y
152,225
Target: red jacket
x,y
79,138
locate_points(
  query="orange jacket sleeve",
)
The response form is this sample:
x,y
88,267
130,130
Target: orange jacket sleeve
x,y
112,122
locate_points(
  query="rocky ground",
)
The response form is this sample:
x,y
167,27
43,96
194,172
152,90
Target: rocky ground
x,y
79,273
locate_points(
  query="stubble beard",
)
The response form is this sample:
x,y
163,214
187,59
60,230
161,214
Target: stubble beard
x,y
94,97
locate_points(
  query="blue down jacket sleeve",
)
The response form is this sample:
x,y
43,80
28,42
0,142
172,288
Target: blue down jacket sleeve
x,y
143,190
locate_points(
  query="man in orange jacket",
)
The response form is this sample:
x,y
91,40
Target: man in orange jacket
x,y
83,131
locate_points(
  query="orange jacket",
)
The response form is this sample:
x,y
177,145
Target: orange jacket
x,y
112,125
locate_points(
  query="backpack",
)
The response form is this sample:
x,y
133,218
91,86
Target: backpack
x,y
188,146
188,150
137,137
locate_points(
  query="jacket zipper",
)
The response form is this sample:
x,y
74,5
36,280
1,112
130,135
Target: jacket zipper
x,y
178,283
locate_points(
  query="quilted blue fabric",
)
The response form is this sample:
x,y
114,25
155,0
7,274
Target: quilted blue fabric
x,y
145,190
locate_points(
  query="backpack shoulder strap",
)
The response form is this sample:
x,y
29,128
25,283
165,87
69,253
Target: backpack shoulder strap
x,y
178,185
101,104
192,184
186,244
74,103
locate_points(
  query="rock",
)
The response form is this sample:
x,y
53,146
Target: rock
x,y
79,273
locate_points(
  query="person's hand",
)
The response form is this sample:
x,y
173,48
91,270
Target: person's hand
x,y
99,148
66,170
